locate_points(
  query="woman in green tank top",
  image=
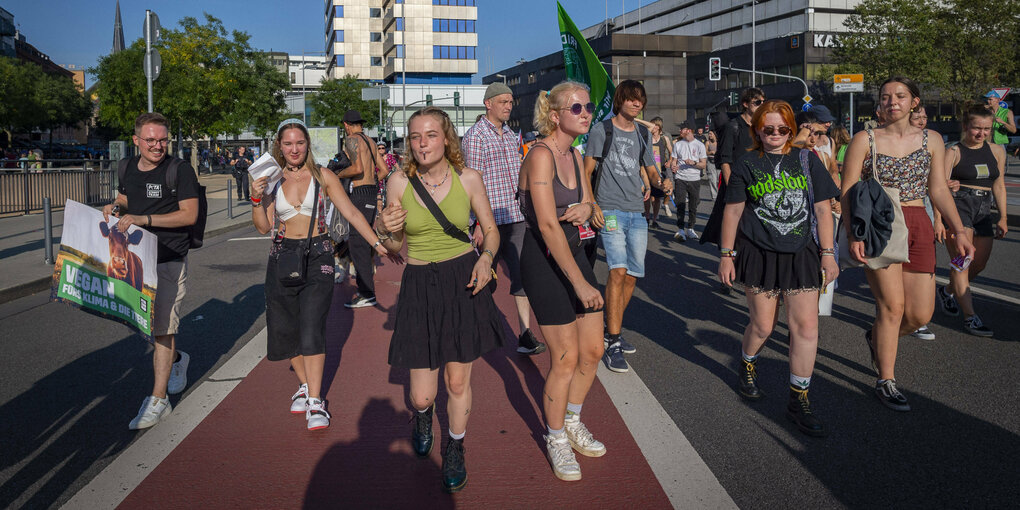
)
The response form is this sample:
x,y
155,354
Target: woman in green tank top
x,y
445,315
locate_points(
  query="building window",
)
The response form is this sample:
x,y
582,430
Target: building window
x,y
454,52
465,3
375,13
339,60
376,61
699,84
293,77
400,24
471,26
471,52
453,25
531,78
375,36
400,51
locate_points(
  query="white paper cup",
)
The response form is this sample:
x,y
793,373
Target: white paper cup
x,y
825,299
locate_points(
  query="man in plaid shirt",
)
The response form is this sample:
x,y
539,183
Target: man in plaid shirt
x,y
493,149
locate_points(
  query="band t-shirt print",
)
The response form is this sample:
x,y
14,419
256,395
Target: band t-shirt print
x,y
774,188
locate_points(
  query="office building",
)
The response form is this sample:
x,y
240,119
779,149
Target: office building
x,y
7,33
422,41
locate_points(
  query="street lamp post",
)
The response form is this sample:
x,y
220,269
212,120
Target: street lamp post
x,y
617,68
501,76
754,43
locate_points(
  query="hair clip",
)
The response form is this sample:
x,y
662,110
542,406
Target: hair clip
x,y
548,93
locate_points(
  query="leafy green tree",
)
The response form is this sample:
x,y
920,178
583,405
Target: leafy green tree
x,y
17,106
956,49
211,82
33,99
61,103
336,97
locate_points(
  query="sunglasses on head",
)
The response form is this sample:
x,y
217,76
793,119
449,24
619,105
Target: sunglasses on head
x,y
771,130
576,108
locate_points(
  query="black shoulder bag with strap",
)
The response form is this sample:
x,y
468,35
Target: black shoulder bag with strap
x,y
449,228
291,265
196,232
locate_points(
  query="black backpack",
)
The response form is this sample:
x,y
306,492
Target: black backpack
x,y
196,232
607,125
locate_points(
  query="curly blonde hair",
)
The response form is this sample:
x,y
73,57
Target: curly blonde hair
x,y
551,100
452,152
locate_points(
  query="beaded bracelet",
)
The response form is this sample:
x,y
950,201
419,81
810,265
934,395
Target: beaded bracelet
x,y
726,252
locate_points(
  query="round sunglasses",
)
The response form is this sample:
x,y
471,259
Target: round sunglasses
x,y
576,108
771,130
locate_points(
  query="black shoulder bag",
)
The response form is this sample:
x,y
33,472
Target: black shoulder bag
x,y
448,227
291,265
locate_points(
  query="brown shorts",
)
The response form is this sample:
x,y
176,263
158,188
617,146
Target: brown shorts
x,y
920,241
170,289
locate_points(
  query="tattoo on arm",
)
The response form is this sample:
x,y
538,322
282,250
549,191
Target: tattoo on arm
x,y
540,183
351,144
467,412
562,355
582,371
547,396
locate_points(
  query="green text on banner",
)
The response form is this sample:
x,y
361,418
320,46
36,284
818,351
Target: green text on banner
x,y
582,65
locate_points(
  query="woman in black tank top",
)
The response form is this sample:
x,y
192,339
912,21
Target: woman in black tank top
x,y
557,277
975,168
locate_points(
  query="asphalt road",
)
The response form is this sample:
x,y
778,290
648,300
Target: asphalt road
x,y
71,382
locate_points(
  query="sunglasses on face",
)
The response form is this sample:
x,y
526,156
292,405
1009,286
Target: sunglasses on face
x,y
576,108
758,102
771,130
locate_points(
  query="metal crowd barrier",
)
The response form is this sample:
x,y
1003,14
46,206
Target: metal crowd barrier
x,y
89,181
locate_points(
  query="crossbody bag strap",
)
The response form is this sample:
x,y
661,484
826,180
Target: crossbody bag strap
x,y
437,213
874,157
311,222
805,165
607,125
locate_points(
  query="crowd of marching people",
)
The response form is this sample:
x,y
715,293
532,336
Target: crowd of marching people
x,y
796,199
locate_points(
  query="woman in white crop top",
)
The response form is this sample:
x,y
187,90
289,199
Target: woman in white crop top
x,y
296,315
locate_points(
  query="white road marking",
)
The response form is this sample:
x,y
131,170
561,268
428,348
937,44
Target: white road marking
x,y
983,292
248,238
129,469
683,475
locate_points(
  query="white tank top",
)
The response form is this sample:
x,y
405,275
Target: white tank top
x,y
287,211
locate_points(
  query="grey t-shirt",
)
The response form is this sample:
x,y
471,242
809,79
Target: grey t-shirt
x,y
620,184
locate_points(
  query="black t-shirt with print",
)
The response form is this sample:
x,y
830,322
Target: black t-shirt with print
x,y
147,193
774,189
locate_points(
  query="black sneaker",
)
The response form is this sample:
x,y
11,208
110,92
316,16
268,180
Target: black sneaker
x,y
871,351
976,327
421,436
655,225
798,410
947,302
360,301
890,396
528,344
748,386
454,472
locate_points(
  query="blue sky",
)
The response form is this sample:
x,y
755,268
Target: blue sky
x,y
80,31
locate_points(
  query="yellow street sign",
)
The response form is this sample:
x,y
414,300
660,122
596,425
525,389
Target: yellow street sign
x,y
807,98
848,78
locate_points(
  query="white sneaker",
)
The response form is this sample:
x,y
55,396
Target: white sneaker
x,y
564,464
669,214
153,411
178,374
299,402
680,236
691,234
316,414
581,439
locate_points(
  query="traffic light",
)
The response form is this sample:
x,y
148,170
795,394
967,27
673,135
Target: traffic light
x,y
428,99
456,99
715,69
734,98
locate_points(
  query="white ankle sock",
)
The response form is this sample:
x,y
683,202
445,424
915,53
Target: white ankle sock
x,y
800,382
457,436
554,432
574,408
748,358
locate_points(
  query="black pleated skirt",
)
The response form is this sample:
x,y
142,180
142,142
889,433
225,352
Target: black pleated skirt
x,y
439,321
774,272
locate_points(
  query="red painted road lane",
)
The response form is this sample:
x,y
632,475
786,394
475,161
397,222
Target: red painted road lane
x,y
250,452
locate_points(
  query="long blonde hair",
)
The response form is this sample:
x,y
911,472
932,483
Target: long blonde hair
x,y
549,101
309,163
452,152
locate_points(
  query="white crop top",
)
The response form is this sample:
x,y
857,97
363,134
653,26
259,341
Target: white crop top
x,y
287,211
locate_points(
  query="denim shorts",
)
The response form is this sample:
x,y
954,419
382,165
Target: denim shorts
x,y
626,244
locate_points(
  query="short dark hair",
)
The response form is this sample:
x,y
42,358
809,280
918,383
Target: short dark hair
x,y
150,118
750,93
806,118
628,89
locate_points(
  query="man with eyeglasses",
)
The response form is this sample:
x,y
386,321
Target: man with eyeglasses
x,y
492,148
146,199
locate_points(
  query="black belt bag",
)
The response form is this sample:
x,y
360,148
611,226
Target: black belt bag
x,y
292,264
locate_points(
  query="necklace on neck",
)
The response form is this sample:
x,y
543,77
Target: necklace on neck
x,y
432,188
775,164
562,153
293,169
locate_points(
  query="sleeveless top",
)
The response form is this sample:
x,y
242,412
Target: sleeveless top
x,y
909,173
563,195
999,134
977,167
426,239
287,211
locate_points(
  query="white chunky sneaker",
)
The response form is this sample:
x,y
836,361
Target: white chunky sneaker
x,y
178,374
153,411
316,414
581,439
299,402
564,464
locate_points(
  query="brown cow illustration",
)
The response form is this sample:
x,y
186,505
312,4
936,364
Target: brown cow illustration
x,y
124,265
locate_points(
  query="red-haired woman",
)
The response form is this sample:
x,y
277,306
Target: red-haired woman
x,y
775,194
904,293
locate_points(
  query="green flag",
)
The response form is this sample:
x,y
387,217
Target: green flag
x,y
582,65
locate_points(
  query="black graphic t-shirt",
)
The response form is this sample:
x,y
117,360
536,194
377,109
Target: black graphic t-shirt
x,y
774,189
148,193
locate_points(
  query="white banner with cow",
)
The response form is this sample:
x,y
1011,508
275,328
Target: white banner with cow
x,y
104,271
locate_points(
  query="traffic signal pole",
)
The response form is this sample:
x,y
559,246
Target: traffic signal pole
x,y
770,74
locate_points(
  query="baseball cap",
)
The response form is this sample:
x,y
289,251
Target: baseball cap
x,y
822,112
992,93
529,136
